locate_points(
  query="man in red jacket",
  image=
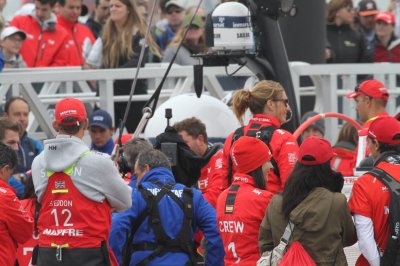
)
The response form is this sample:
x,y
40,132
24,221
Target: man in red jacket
x,y
369,201
16,225
46,43
212,178
81,37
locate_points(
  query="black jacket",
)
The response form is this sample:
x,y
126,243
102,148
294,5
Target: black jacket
x,y
347,45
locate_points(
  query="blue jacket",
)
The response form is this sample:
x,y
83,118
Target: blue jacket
x,y
171,215
107,148
163,38
29,148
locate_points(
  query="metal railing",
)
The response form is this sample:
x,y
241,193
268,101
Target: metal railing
x,y
44,87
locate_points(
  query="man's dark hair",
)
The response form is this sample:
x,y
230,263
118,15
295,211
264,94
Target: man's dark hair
x,y
8,156
153,158
384,147
7,124
193,126
132,149
45,2
13,99
62,2
303,179
73,129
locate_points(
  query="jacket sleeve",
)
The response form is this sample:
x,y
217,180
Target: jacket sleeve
x,y
349,231
216,179
285,155
121,227
205,218
265,242
117,192
19,221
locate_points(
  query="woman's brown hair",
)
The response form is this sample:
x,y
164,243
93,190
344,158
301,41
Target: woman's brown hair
x,y
256,98
334,6
117,45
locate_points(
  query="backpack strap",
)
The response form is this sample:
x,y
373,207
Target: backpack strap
x,y
265,134
183,241
390,255
230,199
236,135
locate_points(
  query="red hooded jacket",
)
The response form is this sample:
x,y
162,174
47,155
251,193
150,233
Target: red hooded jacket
x,y
16,225
42,48
239,221
79,35
284,149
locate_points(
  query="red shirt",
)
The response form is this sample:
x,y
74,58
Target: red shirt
x,y
79,35
239,225
24,253
16,225
42,48
284,149
370,198
69,219
212,180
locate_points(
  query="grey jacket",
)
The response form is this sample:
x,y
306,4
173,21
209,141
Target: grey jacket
x,y
95,174
323,225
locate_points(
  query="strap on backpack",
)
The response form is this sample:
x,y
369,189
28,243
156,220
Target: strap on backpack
x,y
265,134
183,241
390,255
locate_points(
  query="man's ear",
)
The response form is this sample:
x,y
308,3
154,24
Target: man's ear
x,y
86,124
55,126
201,138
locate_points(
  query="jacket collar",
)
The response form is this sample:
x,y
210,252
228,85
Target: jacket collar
x,y
158,174
239,179
262,118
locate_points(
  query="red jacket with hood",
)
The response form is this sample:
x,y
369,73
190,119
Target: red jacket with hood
x,y
238,224
16,225
45,45
80,38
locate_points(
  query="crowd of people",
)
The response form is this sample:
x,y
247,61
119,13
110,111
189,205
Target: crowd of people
x,y
70,202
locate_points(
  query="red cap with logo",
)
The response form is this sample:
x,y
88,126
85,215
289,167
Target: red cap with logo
x,y
372,88
315,151
385,130
70,108
249,153
387,17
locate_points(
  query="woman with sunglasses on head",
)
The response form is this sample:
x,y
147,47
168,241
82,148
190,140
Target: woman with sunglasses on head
x,y
268,103
120,47
345,44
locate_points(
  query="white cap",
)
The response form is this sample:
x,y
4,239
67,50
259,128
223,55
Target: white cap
x,y
178,3
8,31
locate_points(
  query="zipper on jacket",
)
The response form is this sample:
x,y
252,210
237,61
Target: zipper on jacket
x,y
38,47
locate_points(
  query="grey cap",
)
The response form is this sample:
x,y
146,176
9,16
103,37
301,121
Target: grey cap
x,y
319,124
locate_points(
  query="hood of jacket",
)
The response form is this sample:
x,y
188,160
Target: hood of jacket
x,y
159,174
48,24
312,213
60,153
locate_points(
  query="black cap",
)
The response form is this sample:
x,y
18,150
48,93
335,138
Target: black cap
x,y
367,8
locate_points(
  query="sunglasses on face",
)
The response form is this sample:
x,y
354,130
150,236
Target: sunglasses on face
x,y
285,101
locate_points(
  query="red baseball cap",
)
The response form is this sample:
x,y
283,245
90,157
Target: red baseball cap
x,y
385,130
314,151
249,153
387,17
70,108
372,88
